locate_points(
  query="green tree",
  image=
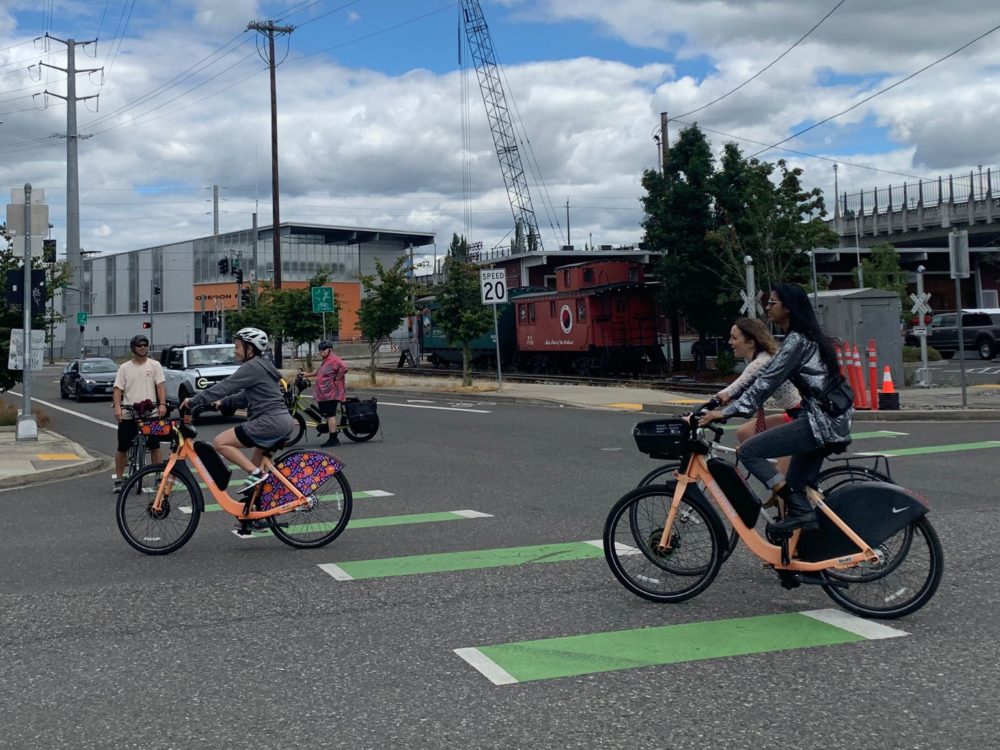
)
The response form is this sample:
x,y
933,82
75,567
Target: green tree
x,y
678,215
881,271
461,314
771,222
12,316
385,302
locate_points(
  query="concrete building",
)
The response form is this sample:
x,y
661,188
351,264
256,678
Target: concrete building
x,y
193,295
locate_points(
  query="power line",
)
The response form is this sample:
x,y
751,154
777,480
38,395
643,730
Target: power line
x,y
768,66
879,93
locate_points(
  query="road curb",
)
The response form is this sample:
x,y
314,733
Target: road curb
x,y
90,463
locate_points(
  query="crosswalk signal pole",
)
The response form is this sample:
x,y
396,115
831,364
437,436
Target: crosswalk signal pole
x,y
27,428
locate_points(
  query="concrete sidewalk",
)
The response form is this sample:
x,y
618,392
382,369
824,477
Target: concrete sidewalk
x,y
56,457
49,458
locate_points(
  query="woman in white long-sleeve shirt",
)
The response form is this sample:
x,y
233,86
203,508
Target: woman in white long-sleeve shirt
x,y
751,340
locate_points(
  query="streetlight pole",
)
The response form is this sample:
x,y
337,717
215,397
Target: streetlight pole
x,y
27,428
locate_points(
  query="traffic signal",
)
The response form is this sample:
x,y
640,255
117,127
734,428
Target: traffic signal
x,y
236,263
156,290
245,296
145,305
146,324
239,274
224,266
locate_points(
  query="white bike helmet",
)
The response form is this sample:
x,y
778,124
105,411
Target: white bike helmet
x,y
253,336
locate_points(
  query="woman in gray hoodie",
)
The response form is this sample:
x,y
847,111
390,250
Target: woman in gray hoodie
x,y
254,386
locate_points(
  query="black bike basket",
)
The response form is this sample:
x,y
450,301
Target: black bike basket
x,y
664,439
221,473
362,416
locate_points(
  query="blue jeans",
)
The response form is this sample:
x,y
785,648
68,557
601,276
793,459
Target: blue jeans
x,y
794,439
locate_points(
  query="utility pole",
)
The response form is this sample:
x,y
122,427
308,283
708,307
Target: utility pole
x,y
269,29
664,141
215,210
568,242
74,339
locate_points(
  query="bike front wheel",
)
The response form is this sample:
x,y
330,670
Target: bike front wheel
x,y
319,522
152,531
905,582
632,535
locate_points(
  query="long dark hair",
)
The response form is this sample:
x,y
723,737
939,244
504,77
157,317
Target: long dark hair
x,y
802,319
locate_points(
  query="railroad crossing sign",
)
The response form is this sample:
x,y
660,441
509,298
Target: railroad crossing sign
x,y
749,304
920,306
322,299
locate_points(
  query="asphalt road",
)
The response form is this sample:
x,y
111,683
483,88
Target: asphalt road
x,y
237,643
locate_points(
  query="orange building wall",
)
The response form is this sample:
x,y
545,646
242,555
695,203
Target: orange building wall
x,y
347,293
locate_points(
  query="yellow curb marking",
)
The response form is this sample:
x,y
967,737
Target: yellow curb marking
x,y
58,457
633,407
687,401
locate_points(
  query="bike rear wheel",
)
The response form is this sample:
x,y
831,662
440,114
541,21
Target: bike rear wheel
x,y
320,522
357,436
166,530
631,537
298,430
908,580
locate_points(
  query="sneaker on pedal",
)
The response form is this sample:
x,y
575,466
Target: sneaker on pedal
x,y
332,440
250,483
117,487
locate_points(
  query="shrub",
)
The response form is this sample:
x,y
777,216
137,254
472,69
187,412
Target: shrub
x,y
8,415
725,363
912,354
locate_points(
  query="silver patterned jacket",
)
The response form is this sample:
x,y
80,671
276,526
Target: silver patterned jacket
x,y
798,357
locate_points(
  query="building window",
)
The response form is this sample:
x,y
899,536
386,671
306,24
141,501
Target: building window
x,y
531,312
552,309
522,312
588,275
581,311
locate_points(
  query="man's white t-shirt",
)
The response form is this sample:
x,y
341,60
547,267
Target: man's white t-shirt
x,y
138,382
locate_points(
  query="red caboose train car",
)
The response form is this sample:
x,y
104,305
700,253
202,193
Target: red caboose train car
x,y
600,319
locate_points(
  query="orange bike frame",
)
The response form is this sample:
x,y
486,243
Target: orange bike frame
x,y
185,452
697,471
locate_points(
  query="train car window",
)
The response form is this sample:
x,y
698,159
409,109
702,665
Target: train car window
x,y
588,275
620,305
522,312
581,311
552,309
566,279
633,275
531,312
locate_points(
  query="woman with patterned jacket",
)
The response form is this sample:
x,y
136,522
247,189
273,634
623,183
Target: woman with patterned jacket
x,y
807,358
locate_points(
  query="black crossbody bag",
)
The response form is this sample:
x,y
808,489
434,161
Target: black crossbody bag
x,y
836,398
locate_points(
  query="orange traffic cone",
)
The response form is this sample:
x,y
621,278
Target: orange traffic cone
x,y
887,386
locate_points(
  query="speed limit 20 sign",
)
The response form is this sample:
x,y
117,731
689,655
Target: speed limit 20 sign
x,y
493,286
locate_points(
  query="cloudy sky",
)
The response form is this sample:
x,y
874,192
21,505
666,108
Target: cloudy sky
x,y
371,96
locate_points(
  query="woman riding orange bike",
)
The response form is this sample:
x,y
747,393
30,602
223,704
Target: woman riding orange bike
x,y
807,359
254,386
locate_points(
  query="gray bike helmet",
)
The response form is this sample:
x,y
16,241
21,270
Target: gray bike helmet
x,y
324,344
136,340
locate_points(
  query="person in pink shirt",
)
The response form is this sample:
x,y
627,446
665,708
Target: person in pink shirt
x,y
330,388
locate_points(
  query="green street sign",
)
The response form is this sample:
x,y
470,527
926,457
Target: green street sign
x,y
81,318
322,299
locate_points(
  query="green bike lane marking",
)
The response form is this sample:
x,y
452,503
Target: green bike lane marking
x,y
949,448
466,560
369,523
570,656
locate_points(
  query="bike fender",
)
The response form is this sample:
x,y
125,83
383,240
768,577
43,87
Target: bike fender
x,y
874,510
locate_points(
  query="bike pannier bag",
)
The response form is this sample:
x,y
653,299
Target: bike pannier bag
x,y
216,467
362,416
664,439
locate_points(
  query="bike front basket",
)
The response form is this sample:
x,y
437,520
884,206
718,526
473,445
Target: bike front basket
x,y
664,439
156,427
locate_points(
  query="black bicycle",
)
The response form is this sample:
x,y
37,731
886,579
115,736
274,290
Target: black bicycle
x,y
358,419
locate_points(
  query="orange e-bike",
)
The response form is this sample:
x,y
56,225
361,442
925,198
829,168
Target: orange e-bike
x,y
874,553
305,500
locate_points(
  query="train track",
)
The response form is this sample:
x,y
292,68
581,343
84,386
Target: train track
x,y
677,383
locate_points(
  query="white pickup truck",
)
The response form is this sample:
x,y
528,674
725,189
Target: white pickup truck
x,y
189,369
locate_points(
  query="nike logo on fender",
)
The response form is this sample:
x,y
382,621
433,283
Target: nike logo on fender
x,y
900,510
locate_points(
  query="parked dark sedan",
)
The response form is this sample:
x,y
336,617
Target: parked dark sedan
x,y
87,378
